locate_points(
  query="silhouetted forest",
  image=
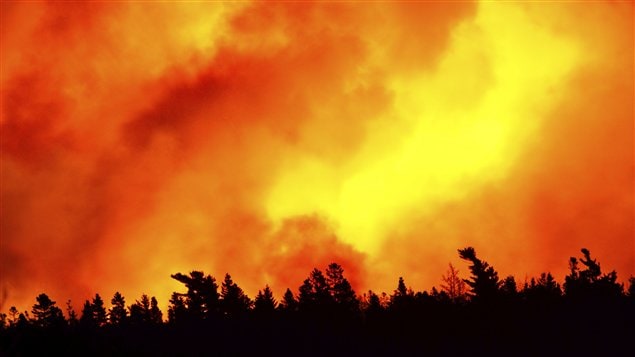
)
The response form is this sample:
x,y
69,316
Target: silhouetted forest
x,y
590,313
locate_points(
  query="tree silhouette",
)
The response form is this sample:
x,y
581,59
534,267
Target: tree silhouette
x,y
145,311
177,311
401,290
341,291
23,321
592,272
437,295
99,311
46,313
484,283
233,302
87,320
140,311
13,315
201,299
93,314
289,304
402,298
265,304
118,314
573,281
594,313
373,308
543,290
155,314
453,285
508,286
315,295
590,282
72,316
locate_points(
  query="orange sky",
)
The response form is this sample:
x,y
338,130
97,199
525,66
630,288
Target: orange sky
x,y
264,139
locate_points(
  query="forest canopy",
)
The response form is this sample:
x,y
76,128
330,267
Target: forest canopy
x,y
326,307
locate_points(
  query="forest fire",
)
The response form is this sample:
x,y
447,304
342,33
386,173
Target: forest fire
x,y
265,139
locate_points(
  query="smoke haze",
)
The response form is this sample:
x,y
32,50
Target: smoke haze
x,y
265,139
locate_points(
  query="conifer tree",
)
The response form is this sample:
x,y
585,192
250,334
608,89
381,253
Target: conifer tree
x,y
484,282
140,311
46,313
315,294
631,287
265,304
373,307
401,290
341,291
72,315
453,285
289,303
99,311
545,290
87,320
118,314
177,311
233,302
13,315
590,282
402,298
201,299
155,316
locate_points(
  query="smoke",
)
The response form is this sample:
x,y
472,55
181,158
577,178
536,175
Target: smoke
x,y
265,139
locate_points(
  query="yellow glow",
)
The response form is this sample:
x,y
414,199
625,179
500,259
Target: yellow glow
x,y
450,130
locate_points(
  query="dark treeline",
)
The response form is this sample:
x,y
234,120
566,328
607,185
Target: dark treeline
x,y
590,313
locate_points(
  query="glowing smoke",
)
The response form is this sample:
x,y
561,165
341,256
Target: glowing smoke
x,y
139,140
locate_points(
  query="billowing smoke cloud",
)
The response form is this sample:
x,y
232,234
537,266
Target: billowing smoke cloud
x,y
139,140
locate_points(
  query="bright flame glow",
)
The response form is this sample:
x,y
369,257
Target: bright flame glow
x,y
267,138
448,133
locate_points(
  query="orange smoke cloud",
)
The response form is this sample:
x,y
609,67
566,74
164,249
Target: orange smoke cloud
x,y
265,139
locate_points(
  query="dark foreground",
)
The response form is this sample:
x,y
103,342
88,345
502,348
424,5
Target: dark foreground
x,y
590,314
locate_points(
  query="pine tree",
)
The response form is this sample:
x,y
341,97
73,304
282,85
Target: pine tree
x,y
72,315
155,315
118,314
572,282
45,313
99,311
401,290
233,301
549,284
140,311
402,298
265,304
13,315
509,286
23,320
340,289
545,290
87,320
453,285
373,306
201,299
509,289
484,282
315,295
177,311
289,304
590,282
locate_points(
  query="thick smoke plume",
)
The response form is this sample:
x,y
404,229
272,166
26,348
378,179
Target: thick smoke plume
x,y
265,139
